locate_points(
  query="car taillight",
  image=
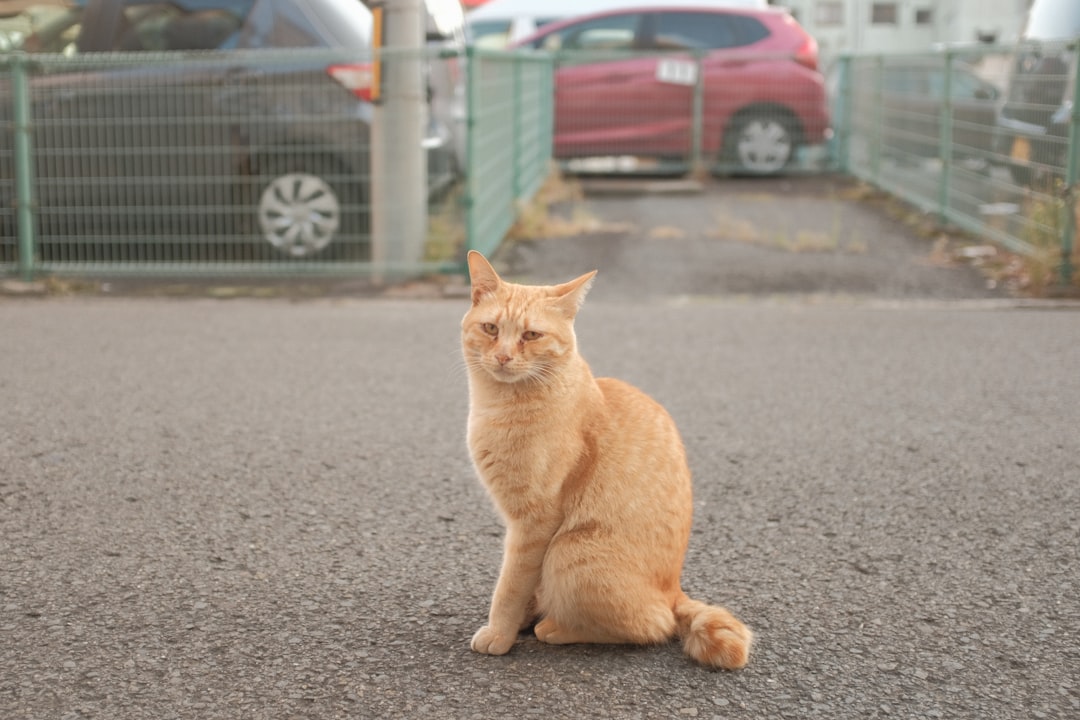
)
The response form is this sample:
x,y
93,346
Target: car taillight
x,y
807,54
358,78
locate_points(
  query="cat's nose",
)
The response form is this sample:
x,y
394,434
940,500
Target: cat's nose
x,y
503,359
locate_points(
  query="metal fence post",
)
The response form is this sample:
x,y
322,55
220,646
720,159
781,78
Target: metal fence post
x,y
471,171
1072,171
843,117
24,167
945,139
515,64
549,115
697,162
879,101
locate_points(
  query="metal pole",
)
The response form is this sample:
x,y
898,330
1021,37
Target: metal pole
x,y
844,131
697,163
945,140
24,167
1072,171
472,182
875,150
549,107
518,140
398,160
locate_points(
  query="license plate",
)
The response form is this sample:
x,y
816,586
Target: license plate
x,y
676,72
1021,149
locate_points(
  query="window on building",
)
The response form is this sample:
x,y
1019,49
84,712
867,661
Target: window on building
x,y
828,13
883,13
924,16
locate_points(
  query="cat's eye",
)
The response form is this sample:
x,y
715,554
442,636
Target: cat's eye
x,y
531,335
490,328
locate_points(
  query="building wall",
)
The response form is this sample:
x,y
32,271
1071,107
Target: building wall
x,y
905,25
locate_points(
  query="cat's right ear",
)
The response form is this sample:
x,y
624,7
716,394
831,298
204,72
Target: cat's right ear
x,y
570,295
482,276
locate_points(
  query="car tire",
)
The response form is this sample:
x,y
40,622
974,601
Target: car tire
x,y
761,143
312,210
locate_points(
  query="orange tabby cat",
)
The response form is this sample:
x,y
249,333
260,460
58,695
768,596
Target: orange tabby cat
x,y
590,476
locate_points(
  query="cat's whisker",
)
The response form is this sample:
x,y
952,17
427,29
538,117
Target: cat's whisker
x,y
544,375
459,368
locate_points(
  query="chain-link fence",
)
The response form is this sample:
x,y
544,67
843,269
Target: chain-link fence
x,y
984,137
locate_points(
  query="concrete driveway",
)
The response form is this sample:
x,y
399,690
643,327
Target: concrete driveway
x,y
265,509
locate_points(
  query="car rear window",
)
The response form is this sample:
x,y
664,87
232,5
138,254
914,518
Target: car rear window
x,y
58,35
165,26
904,80
611,32
706,31
146,26
344,23
490,33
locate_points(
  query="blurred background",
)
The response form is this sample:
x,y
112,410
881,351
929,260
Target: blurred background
x,y
329,137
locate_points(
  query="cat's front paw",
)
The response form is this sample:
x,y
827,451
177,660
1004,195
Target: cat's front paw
x,y
488,641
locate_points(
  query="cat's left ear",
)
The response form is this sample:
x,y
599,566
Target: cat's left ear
x,y
482,276
570,295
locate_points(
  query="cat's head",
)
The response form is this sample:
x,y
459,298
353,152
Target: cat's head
x,y
517,333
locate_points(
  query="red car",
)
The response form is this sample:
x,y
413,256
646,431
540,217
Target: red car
x,y
625,81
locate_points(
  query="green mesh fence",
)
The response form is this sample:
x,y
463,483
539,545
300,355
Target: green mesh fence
x,y
251,162
207,162
159,162
510,109
986,138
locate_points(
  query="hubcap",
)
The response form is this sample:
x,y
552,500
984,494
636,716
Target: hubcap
x,y
764,146
299,214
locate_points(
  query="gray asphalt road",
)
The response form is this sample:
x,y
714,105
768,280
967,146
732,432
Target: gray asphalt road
x,y
265,509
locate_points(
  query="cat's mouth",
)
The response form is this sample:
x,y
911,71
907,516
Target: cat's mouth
x,y
503,373
507,373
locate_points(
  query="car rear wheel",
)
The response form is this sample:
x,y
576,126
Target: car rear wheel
x,y
761,143
312,210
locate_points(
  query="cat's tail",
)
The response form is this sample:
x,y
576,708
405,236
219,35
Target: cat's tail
x,y
712,635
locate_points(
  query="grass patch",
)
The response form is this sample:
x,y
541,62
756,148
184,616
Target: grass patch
x,y
557,210
786,239
1034,274
1042,268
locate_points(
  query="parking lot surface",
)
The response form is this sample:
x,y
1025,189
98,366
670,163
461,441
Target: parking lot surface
x,y
800,235
265,508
